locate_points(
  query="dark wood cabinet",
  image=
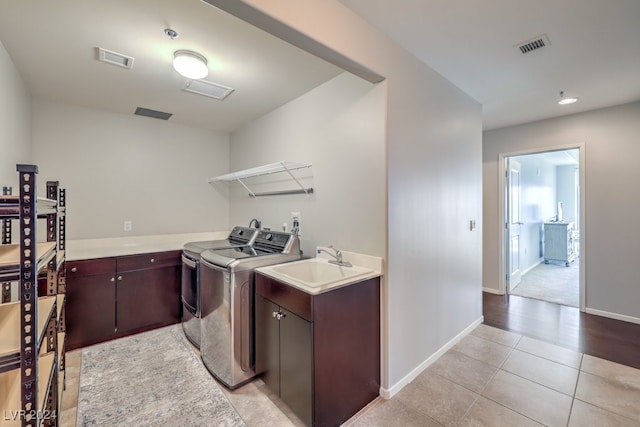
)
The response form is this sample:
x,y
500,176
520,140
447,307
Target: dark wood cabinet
x,y
285,346
112,297
91,302
148,291
319,353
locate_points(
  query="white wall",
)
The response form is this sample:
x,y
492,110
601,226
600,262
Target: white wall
x,y
610,137
15,121
434,179
339,128
567,187
538,205
117,167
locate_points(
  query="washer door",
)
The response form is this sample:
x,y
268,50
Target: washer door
x,y
191,285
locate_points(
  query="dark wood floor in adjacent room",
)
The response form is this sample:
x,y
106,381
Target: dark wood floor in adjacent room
x,y
598,336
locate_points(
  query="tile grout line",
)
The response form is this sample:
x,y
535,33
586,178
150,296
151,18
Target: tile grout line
x,y
498,369
555,345
575,389
479,394
590,403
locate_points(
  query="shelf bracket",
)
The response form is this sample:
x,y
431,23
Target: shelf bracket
x,y
251,193
295,179
271,168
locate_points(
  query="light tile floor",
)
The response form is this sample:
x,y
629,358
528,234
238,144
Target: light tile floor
x,y
498,378
490,378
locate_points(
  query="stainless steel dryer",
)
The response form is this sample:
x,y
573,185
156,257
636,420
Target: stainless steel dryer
x,y
227,286
191,276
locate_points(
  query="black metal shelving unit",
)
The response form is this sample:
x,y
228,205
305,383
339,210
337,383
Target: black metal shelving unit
x,y
32,349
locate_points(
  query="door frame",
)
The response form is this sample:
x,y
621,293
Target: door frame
x,y
503,250
510,226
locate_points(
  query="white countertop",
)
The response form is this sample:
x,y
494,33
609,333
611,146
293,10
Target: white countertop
x,y
364,267
117,246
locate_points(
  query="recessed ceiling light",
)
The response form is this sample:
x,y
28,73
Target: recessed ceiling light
x,y
190,64
567,100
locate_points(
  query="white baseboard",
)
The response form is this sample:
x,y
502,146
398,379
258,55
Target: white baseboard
x,y
388,393
613,315
491,291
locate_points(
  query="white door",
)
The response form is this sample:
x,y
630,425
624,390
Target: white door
x,y
514,221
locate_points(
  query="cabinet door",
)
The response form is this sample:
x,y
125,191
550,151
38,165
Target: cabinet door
x,y
296,365
147,298
267,340
90,309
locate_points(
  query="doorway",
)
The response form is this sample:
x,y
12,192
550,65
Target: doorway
x,y
542,207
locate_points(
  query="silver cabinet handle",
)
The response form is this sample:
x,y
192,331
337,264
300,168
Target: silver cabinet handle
x,y
152,260
112,279
119,277
278,314
74,269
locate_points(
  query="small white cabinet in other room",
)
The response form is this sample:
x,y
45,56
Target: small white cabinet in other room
x,y
559,244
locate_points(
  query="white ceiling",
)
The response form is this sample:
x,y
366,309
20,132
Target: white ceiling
x,y
53,45
594,52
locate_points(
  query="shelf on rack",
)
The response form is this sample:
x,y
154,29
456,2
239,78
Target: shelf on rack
x,y
10,206
10,258
268,169
10,390
10,326
27,324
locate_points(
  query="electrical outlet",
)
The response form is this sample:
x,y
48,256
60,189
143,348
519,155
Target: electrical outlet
x,y
295,223
128,226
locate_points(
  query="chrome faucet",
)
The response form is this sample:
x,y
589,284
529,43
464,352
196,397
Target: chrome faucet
x,y
337,257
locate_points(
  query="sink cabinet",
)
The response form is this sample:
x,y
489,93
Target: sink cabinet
x,y
112,297
319,353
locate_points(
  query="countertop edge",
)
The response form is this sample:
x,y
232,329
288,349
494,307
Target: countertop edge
x,y
287,281
83,249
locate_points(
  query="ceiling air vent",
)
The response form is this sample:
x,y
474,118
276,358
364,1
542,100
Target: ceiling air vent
x,y
152,113
210,89
115,58
535,43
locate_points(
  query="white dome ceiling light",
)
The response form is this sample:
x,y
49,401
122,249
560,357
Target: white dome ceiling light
x,y
566,100
190,64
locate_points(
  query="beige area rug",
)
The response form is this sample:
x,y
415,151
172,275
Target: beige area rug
x,y
150,379
553,282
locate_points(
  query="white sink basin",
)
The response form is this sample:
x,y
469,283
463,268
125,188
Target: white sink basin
x,y
316,274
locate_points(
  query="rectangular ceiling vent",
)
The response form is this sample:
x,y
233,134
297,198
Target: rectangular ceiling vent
x,y
210,89
115,58
146,112
535,43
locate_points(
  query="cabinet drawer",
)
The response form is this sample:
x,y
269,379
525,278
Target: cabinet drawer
x,y
91,267
286,296
151,260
